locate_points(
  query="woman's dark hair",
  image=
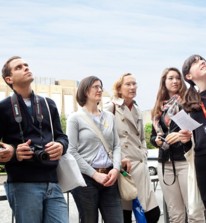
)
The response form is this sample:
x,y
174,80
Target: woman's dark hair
x,y
83,88
192,99
163,94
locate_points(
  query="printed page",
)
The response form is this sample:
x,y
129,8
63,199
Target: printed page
x,y
184,121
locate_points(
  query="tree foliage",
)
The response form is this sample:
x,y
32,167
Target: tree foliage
x,y
148,130
63,120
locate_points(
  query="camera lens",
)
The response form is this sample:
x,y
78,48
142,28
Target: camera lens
x,y
42,155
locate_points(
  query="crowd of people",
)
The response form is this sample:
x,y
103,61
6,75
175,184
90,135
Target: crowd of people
x,y
32,142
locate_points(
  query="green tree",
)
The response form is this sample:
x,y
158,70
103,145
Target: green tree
x,y
148,130
63,120
2,168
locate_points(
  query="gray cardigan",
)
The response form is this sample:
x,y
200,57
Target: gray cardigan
x,y
84,143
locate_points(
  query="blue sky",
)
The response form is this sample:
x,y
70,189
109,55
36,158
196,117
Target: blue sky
x,y
66,39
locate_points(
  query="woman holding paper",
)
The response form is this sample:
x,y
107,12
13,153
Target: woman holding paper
x,y
172,166
194,72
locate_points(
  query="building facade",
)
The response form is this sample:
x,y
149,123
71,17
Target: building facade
x,y
63,92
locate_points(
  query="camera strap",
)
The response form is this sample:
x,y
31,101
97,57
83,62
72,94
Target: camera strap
x,y
18,116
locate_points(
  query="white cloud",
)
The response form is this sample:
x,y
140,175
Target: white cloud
x,y
72,39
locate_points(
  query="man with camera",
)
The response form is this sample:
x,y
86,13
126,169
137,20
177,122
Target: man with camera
x,y
35,146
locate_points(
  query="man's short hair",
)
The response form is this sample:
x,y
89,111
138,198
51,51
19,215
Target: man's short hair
x,y
6,70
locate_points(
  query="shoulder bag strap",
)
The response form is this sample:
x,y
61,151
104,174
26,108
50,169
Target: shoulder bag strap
x,y
52,130
96,130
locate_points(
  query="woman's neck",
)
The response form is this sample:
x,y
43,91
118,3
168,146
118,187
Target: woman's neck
x,y
128,103
92,109
201,86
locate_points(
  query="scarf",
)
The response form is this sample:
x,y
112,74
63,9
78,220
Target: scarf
x,y
169,108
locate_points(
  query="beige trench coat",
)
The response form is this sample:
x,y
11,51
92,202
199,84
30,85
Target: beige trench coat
x,y
133,146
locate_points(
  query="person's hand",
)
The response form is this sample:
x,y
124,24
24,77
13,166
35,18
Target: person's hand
x,y
126,164
54,149
106,179
6,152
185,136
172,138
100,178
112,177
158,139
23,151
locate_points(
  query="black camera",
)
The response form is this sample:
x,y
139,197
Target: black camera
x,y
39,153
162,139
165,145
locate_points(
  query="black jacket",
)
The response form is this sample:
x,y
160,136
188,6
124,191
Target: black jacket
x,y
176,151
200,133
30,170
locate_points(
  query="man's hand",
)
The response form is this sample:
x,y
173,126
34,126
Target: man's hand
x,y
23,151
6,152
54,149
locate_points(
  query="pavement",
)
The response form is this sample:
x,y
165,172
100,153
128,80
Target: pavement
x,y
6,214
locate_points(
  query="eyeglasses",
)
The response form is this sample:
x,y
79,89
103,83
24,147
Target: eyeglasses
x,y
97,87
131,84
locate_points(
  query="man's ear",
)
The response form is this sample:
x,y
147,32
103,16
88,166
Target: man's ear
x,y
8,80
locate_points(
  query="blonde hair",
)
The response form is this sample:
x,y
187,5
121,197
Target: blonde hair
x,y
117,85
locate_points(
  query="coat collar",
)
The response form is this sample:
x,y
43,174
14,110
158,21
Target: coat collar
x,y
120,101
120,106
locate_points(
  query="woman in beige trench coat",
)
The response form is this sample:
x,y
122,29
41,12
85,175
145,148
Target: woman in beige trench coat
x,y
133,145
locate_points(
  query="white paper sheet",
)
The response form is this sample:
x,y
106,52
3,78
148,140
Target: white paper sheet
x,y
184,121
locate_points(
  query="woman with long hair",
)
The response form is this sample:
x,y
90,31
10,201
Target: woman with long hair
x,y
172,165
194,72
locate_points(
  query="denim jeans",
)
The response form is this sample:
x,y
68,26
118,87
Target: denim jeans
x,y
96,197
37,202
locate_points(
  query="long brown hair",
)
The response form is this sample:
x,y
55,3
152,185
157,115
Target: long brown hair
x,y
192,99
163,93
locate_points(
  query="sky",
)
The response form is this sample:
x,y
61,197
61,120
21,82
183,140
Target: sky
x,y
65,39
